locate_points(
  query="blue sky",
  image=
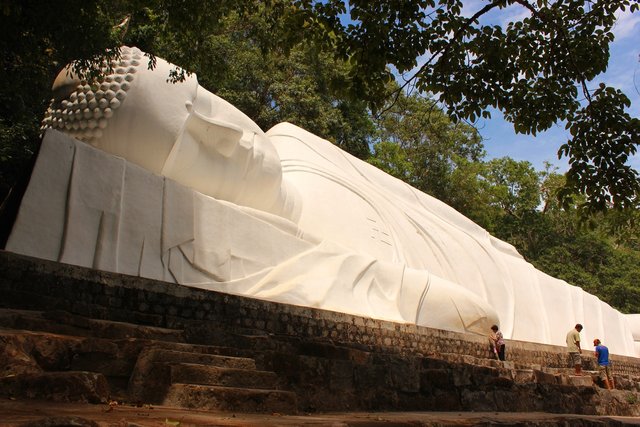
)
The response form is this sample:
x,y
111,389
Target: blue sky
x,y
623,73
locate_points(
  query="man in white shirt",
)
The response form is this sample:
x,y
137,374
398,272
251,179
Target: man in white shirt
x,y
573,345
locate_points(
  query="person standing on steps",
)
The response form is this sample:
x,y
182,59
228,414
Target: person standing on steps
x,y
492,344
602,356
498,342
573,345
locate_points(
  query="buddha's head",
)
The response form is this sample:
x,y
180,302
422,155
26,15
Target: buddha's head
x,y
178,130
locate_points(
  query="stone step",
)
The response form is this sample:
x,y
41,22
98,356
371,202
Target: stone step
x,y
577,381
68,386
236,336
206,349
151,376
524,376
188,373
65,323
231,399
163,355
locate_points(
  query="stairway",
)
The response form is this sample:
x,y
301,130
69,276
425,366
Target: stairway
x,y
97,360
199,379
59,356
521,373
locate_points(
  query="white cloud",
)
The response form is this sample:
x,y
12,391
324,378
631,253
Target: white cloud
x,y
472,6
514,13
495,16
628,25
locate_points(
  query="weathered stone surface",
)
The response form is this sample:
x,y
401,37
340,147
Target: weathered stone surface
x,y
111,330
626,383
523,376
544,377
70,386
158,354
329,361
23,412
436,379
231,399
61,422
478,400
52,353
15,355
152,374
190,373
581,380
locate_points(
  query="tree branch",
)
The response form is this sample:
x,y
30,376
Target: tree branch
x,y
563,33
443,51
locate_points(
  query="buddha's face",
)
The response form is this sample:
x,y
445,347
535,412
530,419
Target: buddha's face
x,y
179,130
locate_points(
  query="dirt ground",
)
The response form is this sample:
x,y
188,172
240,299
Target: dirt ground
x,y
50,414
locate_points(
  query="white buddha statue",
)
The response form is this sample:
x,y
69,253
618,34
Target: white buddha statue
x,y
192,191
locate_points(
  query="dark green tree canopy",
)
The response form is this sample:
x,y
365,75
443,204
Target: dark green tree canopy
x,y
536,71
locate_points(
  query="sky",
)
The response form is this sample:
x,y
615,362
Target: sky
x,y
623,73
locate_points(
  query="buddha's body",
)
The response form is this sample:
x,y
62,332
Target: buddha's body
x,y
286,216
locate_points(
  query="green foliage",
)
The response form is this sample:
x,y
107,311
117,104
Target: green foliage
x,y
35,46
303,84
604,136
298,88
393,159
520,205
591,260
429,147
470,193
514,186
235,50
536,71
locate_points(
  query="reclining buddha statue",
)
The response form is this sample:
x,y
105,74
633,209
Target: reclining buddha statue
x,y
141,176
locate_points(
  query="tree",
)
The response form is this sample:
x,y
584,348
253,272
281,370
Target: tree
x,y
537,71
429,147
551,183
513,194
514,186
393,159
601,255
588,258
34,48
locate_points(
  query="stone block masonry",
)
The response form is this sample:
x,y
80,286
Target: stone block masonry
x,y
143,335
34,284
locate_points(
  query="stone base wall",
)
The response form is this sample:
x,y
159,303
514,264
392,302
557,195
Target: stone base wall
x,y
34,284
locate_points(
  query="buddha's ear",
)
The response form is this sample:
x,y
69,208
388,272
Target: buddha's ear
x,y
197,132
218,135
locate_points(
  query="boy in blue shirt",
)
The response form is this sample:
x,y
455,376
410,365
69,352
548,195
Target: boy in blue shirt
x,y
602,355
